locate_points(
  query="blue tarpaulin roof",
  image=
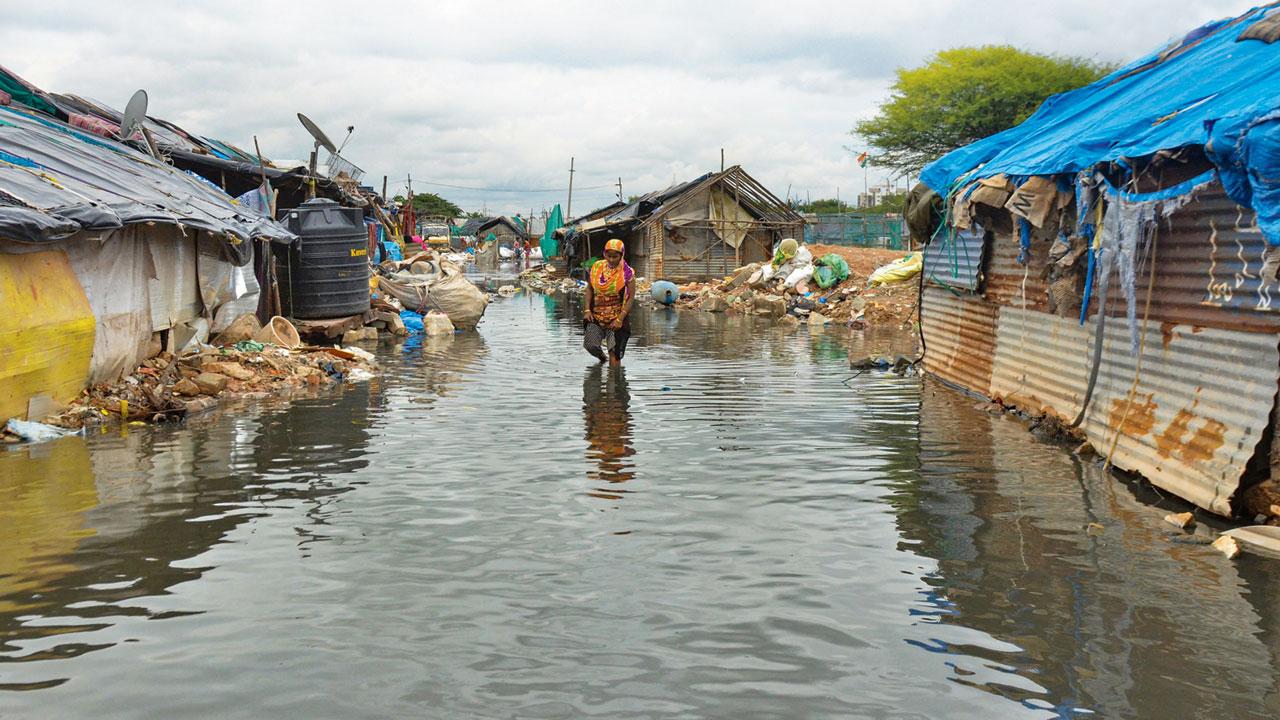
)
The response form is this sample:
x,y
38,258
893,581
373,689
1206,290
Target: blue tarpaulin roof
x,y
1213,89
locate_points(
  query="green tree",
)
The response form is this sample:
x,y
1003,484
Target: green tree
x,y
825,206
963,95
431,204
892,203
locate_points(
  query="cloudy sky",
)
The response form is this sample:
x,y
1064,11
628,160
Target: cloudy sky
x,y
499,95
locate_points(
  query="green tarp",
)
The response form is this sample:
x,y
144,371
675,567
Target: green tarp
x,y
551,246
21,94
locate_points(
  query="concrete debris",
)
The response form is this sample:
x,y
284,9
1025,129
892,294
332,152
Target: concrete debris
x,y
436,323
770,306
714,303
1181,521
1227,545
245,327
210,383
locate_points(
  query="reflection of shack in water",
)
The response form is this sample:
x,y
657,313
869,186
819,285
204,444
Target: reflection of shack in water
x,y
606,413
1007,519
89,526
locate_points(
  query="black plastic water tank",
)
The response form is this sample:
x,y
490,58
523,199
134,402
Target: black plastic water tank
x,y
327,274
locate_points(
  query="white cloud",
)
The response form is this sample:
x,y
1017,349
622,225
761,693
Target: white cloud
x,y
501,94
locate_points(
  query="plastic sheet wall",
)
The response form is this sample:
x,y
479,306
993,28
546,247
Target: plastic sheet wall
x,y
133,282
46,331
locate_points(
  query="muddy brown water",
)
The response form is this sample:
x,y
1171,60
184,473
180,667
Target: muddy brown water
x,y
734,526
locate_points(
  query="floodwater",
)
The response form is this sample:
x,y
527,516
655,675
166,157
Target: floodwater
x,y
733,526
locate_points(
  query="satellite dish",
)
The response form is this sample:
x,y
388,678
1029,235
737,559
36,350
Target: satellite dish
x,y
322,140
134,113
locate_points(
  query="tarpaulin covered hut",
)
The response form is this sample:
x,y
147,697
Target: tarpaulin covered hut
x,y
691,231
1111,263
107,254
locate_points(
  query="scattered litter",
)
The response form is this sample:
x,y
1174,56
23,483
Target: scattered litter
x,y
35,432
250,346
508,291
359,375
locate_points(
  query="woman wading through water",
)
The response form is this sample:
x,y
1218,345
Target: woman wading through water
x,y
611,291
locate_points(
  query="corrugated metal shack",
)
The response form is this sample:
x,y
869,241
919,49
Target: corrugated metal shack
x,y
106,256
691,231
1112,263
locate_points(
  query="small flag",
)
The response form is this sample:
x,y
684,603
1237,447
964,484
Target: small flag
x,y
863,159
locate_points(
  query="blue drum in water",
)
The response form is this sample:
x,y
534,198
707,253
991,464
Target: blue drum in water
x,y
665,292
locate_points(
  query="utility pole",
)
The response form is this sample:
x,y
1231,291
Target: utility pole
x,y
619,189
721,159
385,199
568,213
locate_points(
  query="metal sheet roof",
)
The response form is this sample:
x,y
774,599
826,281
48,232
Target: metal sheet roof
x,y
56,181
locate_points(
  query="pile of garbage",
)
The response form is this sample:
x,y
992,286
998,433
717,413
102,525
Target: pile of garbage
x,y
168,387
427,283
858,287
545,279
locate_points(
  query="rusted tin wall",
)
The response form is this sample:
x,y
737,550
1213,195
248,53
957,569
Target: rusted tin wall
x,y
1202,403
1041,363
1206,377
959,332
1209,258
1010,284
955,259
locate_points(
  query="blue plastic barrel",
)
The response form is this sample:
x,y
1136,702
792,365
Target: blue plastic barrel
x,y
665,292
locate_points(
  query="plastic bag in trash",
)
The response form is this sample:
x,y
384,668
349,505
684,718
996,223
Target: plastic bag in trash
x,y
901,269
412,321
832,269
37,432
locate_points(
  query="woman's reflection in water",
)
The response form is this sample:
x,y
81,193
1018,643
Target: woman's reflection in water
x,y
606,413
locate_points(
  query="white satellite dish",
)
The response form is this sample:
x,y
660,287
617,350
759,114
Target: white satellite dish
x,y
322,140
134,113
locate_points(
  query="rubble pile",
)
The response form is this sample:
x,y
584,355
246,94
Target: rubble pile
x,y
166,387
851,301
545,279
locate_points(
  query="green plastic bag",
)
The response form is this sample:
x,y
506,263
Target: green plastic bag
x,y
831,270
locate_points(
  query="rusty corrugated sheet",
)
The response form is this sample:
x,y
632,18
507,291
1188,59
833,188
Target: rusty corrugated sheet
x,y
1203,401
955,259
1012,285
1209,254
1041,363
959,332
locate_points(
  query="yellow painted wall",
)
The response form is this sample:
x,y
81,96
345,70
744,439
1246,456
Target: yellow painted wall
x,y
46,331
44,496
